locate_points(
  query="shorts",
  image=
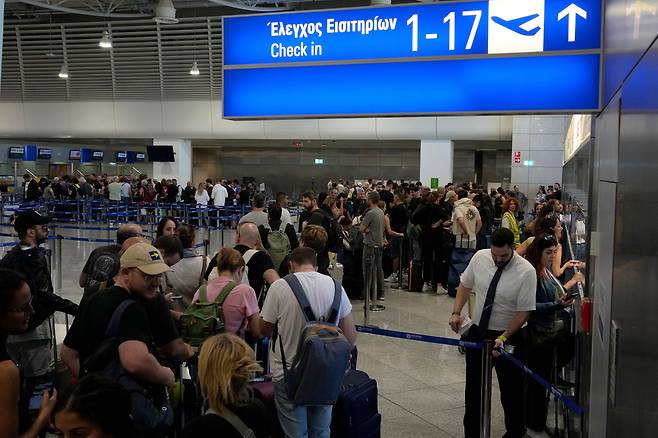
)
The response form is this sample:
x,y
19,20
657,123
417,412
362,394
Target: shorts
x,y
395,245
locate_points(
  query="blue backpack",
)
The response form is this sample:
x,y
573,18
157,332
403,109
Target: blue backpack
x,y
315,376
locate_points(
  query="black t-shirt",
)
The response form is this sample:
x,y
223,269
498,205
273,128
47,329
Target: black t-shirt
x,y
387,197
255,416
88,330
413,205
102,265
304,215
399,217
258,264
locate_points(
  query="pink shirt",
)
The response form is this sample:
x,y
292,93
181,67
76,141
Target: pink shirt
x,y
240,304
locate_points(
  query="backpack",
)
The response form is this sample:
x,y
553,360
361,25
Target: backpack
x,y
202,318
278,245
315,376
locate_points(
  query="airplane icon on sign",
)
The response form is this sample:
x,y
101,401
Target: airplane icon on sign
x,y
515,24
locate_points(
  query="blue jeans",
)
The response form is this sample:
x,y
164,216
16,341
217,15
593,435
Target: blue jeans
x,y
301,421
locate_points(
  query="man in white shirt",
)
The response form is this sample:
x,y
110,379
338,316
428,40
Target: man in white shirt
x,y
219,194
282,309
282,200
466,221
505,287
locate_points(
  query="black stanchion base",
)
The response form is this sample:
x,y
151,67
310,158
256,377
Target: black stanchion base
x,y
377,308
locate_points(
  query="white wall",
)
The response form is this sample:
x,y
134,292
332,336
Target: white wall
x,y
436,161
539,139
181,169
2,14
203,119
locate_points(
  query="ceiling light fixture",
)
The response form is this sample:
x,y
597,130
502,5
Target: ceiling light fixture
x,y
165,12
194,71
64,72
105,41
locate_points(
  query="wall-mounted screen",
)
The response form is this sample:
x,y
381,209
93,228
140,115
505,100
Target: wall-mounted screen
x,y
140,157
74,154
122,156
97,156
16,152
161,153
45,154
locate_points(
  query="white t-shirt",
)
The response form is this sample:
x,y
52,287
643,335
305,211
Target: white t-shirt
x,y
516,291
184,277
281,306
201,199
219,195
285,216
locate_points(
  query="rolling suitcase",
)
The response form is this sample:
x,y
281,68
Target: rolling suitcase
x,y
415,276
355,414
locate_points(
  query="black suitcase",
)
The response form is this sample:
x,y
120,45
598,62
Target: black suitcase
x,y
415,276
355,414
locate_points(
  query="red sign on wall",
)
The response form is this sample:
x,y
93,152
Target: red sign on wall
x,y
517,157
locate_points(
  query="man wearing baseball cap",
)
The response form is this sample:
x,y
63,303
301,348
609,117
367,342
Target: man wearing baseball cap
x,y
136,284
33,349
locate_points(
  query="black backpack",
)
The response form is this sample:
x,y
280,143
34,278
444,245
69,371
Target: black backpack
x,y
333,229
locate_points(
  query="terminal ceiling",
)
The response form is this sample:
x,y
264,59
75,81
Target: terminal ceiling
x,y
147,61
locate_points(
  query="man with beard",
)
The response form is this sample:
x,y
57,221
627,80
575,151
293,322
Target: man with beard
x,y
505,287
33,349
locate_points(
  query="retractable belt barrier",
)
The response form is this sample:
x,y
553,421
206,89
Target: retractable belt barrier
x,y
418,337
570,404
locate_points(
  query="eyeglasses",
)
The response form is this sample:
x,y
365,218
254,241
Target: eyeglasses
x,y
25,308
148,278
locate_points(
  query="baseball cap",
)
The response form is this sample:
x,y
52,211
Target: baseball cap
x,y
29,218
450,194
144,257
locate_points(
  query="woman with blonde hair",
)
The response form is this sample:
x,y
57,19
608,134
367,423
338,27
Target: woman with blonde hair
x,y
226,363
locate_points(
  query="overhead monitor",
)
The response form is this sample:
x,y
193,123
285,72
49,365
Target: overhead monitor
x,y
140,157
161,153
16,152
97,156
122,156
74,154
45,154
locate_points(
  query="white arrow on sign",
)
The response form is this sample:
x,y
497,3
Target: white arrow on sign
x,y
572,10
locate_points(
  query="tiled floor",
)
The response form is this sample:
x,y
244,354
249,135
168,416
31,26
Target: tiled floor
x,y
421,385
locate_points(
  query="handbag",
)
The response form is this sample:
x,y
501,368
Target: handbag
x,y
540,336
150,407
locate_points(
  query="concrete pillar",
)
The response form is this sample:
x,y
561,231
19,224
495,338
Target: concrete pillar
x,y
181,169
436,161
538,146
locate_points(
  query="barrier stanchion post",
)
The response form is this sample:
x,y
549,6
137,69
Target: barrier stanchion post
x,y
401,262
222,230
206,246
59,262
485,398
366,297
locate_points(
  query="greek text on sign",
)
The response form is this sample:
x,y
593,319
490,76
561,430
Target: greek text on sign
x,y
408,31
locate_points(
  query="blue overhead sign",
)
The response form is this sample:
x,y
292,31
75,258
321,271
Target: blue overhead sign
x,y
412,38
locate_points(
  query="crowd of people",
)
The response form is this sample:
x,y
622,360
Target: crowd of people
x,y
149,306
140,189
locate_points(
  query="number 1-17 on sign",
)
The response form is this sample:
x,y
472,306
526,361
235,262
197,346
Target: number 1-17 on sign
x,y
450,20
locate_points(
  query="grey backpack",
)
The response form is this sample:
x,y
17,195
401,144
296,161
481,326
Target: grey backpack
x,y
315,376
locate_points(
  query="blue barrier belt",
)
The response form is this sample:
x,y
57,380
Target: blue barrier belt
x,y
419,337
570,404
85,239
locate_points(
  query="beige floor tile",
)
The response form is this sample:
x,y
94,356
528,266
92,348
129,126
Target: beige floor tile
x,y
424,400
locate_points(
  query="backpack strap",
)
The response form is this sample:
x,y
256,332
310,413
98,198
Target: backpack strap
x,y
298,290
234,421
224,293
204,267
113,327
335,306
203,293
248,255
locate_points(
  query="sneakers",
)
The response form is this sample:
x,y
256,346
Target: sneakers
x,y
393,278
382,298
440,290
427,287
